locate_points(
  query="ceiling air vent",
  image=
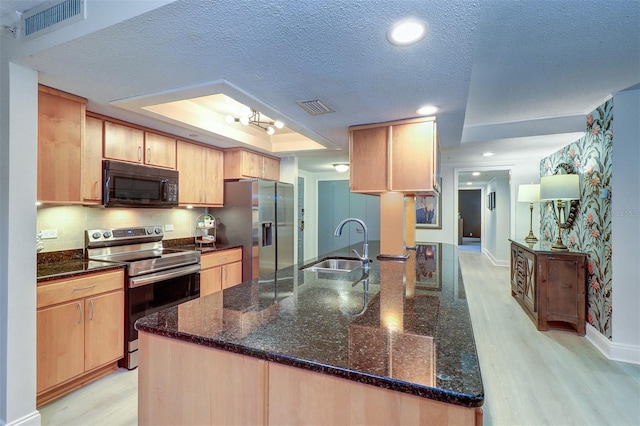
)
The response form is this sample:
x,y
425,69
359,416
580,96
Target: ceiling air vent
x,y
46,18
316,107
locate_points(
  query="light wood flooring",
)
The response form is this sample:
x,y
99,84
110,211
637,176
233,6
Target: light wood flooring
x,y
530,377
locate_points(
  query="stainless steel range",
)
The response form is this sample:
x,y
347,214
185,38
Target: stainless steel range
x,y
156,277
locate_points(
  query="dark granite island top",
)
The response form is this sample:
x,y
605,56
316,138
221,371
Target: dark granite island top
x,y
410,332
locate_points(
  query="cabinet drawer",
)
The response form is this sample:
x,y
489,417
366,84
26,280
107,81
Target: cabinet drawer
x,y
211,260
65,290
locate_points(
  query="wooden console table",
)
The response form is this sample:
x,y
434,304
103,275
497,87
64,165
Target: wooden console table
x,y
549,285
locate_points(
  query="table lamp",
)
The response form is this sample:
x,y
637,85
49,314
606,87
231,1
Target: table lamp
x,y
529,193
560,188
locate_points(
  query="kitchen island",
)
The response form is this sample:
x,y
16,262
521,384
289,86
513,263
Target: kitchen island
x,y
394,346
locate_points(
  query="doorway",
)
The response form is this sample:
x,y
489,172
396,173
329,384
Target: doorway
x,y
469,219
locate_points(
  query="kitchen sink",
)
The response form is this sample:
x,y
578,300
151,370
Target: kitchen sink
x,y
334,265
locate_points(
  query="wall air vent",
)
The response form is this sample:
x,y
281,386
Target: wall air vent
x,y
52,16
316,107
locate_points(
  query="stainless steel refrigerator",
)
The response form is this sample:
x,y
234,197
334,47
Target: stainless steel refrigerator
x,y
258,215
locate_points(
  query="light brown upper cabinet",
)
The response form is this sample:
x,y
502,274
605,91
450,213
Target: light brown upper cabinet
x,y
401,156
126,143
61,132
159,150
201,179
92,161
242,164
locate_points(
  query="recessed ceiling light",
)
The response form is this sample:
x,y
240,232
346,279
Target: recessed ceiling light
x,y
406,32
469,183
476,173
427,110
487,154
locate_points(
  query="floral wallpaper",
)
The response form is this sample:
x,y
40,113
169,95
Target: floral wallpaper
x,y
590,157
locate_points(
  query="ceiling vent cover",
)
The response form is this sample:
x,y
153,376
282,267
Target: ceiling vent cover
x,y
46,18
316,107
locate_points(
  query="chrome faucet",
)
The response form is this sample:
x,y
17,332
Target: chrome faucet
x,y
365,246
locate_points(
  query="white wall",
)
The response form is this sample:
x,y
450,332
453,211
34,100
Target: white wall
x,y
524,173
19,107
497,226
625,234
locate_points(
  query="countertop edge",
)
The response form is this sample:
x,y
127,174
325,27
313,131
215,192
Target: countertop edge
x,y
77,273
463,400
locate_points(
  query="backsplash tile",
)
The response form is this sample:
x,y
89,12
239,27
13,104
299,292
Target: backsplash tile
x,y
72,221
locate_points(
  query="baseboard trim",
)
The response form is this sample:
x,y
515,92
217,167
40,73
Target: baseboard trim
x,y
613,351
495,261
31,419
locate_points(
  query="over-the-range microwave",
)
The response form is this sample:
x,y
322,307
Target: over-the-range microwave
x,y
135,185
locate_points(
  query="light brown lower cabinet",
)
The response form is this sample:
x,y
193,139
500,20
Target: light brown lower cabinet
x,y
216,387
220,270
80,332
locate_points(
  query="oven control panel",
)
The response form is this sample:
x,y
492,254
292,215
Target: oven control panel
x,y
102,237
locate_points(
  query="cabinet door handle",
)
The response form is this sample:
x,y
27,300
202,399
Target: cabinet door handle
x,y
80,313
87,287
95,189
148,155
139,153
92,310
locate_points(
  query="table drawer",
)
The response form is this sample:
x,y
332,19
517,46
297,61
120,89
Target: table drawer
x,y
65,290
210,260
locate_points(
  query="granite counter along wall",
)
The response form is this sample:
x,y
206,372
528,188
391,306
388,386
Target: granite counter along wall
x,y
72,221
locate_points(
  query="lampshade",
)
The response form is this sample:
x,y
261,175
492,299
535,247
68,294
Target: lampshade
x,y
529,193
560,187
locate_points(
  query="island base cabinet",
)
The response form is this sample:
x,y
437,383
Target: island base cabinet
x,y
185,384
302,397
212,386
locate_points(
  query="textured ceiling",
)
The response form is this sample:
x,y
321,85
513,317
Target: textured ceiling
x,y
516,76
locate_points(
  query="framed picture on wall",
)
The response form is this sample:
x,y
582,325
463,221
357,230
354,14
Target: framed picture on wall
x,y
491,200
428,211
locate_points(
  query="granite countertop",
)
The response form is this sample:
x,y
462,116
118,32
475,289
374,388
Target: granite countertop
x,y
71,263
409,332
68,264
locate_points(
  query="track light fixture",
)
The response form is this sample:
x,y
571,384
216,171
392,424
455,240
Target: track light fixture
x,y
255,118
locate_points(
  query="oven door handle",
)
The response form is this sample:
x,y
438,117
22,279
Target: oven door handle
x,y
162,276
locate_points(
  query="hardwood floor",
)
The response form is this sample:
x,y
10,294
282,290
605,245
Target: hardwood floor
x,y
530,377
540,378
110,401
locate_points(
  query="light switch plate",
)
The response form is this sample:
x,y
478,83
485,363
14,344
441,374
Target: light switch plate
x,y
168,228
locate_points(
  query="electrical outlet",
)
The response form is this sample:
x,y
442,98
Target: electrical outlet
x,y
168,228
48,234
471,234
